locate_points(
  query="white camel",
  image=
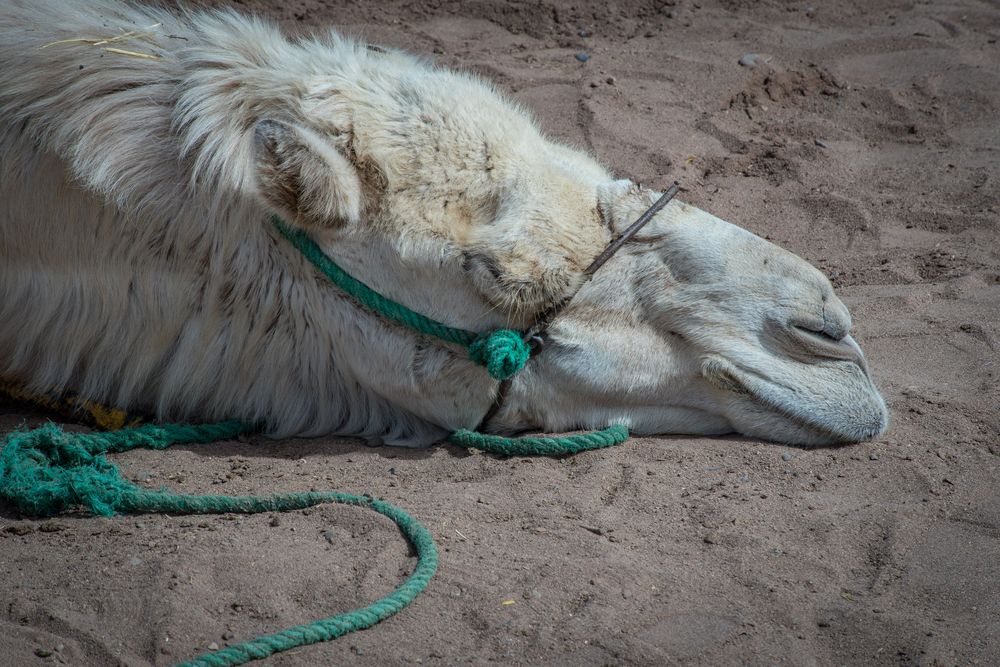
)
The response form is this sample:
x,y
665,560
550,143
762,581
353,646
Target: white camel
x,y
143,153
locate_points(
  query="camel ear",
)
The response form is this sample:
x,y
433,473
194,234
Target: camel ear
x,y
304,178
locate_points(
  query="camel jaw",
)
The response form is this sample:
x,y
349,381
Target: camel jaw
x,y
828,403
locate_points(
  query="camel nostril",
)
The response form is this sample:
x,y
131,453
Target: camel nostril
x,y
836,319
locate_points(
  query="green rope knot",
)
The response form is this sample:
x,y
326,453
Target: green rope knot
x,y
503,353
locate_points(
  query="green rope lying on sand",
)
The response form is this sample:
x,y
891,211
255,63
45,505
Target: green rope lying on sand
x,y
540,446
47,471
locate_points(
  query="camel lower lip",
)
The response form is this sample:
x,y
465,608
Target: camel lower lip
x,y
802,422
778,399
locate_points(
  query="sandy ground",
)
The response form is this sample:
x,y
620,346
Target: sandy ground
x,y
867,140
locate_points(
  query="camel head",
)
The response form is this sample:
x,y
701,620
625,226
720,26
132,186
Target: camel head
x,y
700,327
444,196
459,208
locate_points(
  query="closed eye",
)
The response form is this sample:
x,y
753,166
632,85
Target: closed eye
x,y
807,343
485,261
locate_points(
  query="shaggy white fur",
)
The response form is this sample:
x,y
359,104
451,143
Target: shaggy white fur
x,y
138,266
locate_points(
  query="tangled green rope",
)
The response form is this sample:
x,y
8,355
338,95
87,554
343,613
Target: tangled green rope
x,y
502,352
46,471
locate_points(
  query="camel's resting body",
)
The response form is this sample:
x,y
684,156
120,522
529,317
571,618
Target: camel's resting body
x,y
142,154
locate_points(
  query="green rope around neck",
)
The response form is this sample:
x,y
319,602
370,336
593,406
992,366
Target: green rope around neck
x,y
502,352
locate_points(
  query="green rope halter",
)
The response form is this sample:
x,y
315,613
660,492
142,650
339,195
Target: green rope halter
x,y
502,352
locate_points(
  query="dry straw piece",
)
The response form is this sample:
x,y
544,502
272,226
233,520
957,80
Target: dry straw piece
x,y
145,33
134,54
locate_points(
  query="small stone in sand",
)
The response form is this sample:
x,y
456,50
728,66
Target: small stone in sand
x,y
749,59
583,32
214,646
786,457
582,57
51,527
20,529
